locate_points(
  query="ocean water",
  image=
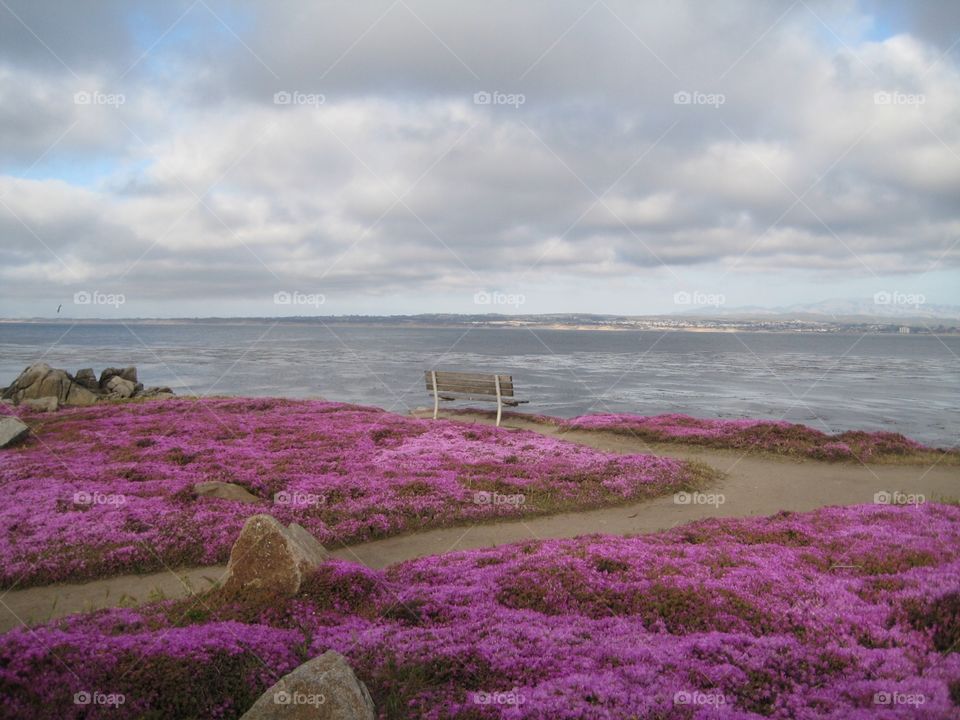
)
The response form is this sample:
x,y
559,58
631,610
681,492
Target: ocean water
x,y
908,384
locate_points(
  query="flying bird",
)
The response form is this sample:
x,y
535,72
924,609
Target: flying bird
x,y
58,308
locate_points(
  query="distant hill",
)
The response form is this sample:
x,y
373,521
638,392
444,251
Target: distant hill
x,y
889,306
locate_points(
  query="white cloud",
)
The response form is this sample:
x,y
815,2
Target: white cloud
x,y
398,182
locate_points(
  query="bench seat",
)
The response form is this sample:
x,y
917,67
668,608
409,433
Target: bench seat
x,y
480,387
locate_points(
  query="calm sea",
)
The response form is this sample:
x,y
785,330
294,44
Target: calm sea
x,y
909,384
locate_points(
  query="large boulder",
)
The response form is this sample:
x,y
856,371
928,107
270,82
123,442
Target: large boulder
x,y
28,382
12,431
324,688
127,373
267,557
79,395
120,387
40,381
88,378
44,404
226,491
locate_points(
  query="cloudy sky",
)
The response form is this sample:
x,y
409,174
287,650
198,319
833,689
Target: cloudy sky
x,y
198,158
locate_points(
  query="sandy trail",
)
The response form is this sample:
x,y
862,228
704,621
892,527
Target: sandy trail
x,y
752,485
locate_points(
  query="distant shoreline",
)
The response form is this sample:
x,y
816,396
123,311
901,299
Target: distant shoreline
x,y
662,323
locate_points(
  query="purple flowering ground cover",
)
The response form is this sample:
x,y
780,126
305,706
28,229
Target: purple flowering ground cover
x,y
841,613
107,490
773,436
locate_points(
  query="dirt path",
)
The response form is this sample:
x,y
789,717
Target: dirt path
x,y
753,485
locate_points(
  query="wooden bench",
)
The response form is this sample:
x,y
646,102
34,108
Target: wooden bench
x,y
471,386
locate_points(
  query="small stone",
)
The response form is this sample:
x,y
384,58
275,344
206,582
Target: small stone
x,y
225,491
155,393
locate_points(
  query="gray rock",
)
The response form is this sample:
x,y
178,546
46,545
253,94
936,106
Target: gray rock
x,y
44,404
79,395
120,387
155,392
269,557
27,378
127,373
87,378
227,491
12,431
40,381
27,383
324,688
306,540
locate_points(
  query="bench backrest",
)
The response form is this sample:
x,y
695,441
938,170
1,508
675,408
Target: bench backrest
x,y
469,383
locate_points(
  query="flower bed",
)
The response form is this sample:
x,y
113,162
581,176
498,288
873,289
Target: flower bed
x,y
840,613
108,489
779,437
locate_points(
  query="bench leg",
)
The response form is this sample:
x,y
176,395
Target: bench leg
x,y
496,379
436,395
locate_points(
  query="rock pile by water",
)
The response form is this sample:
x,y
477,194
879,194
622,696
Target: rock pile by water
x,y
44,388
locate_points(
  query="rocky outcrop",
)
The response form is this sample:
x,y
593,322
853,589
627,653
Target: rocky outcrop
x,y
268,557
45,388
225,491
324,688
12,431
